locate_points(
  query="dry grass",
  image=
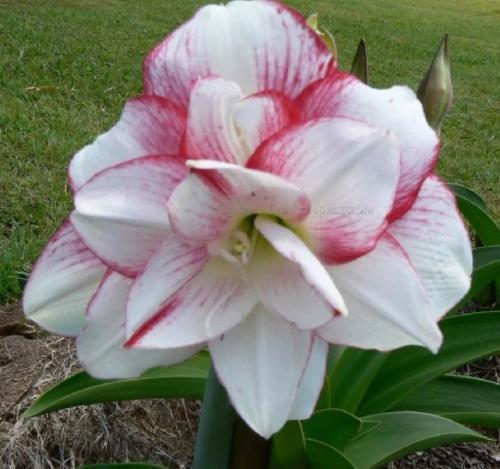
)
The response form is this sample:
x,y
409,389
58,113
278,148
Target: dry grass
x,y
155,430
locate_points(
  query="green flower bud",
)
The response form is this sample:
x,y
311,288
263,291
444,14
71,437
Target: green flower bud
x,y
360,62
323,33
436,91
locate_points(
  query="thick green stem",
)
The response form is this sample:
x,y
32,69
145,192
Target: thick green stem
x,y
217,423
224,441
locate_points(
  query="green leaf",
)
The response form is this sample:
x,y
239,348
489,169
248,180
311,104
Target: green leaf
x,y
366,427
402,433
127,465
466,338
486,270
352,375
288,448
466,400
467,193
184,380
474,210
322,456
335,427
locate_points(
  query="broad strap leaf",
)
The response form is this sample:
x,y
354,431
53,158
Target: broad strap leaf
x,y
466,338
352,375
402,433
466,400
334,427
322,456
184,380
474,210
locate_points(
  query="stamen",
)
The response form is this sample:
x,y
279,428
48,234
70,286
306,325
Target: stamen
x,y
237,248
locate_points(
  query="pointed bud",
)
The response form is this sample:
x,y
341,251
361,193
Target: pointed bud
x,y
436,90
312,22
360,62
324,34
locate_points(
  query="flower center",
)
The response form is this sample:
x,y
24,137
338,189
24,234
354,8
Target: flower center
x,y
237,247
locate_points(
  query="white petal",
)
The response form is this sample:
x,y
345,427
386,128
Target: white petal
x,y
434,237
62,283
261,115
149,125
100,345
382,288
217,296
216,196
210,132
290,280
259,45
121,213
311,383
348,169
170,269
260,363
396,109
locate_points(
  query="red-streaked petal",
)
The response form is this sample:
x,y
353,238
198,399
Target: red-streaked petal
x,y
62,283
210,132
149,125
396,109
388,306
217,195
311,383
121,213
217,297
259,45
260,363
434,237
171,268
100,346
290,280
261,115
348,169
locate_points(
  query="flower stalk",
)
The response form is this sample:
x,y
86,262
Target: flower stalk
x,y
223,439
217,423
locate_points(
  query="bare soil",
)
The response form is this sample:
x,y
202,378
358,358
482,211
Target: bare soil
x,y
154,430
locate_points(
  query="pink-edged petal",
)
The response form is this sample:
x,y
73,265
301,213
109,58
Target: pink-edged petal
x,y
214,300
217,196
62,283
388,306
149,125
121,213
396,109
290,280
261,363
261,115
259,45
348,169
311,383
171,268
100,346
435,239
210,132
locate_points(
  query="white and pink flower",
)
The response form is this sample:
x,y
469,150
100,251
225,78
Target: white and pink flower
x,y
259,202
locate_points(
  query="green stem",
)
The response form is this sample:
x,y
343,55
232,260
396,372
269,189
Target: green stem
x,y
217,423
224,441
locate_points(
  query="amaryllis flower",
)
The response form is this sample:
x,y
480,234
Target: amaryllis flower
x,y
256,201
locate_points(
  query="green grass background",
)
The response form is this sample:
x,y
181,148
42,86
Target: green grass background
x,y
67,66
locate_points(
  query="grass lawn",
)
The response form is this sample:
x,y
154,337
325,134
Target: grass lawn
x,y
67,67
